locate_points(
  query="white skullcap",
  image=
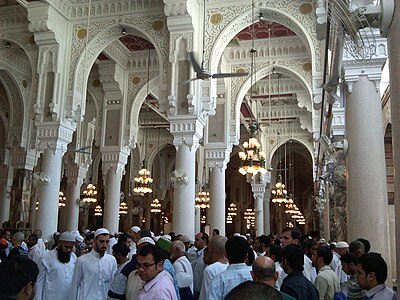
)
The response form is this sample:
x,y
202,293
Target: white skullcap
x,y
135,229
146,239
236,234
167,237
101,231
67,236
79,238
342,245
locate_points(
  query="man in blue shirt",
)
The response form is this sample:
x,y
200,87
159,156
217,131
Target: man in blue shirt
x,y
296,284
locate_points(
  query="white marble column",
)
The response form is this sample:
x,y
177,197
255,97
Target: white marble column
x,y
75,177
47,215
258,183
184,190
5,188
197,220
113,177
267,212
394,66
216,212
366,180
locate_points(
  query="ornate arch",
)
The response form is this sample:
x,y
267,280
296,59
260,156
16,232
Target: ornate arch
x,y
105,32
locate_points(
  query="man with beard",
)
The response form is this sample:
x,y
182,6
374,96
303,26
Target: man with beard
x,y
94,271
56,268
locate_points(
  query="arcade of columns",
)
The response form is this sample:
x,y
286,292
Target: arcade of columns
x,y
51,114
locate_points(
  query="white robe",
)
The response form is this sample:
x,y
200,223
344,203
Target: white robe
x,y
54,280
92,276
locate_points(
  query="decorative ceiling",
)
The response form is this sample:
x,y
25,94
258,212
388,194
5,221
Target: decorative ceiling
x,y
261,31
136,43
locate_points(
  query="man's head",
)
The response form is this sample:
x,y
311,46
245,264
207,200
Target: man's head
x,y
17,278
7,235
253,290
371,270
215,250
150,259
367,244
126,239
134,233
32,240
349,263
38,233
309,246
237,249
17,239
357,248
143,242
290,235
261,243
186,241
322,257
89,241
65,246
201,240
120,252
101,239
342,248
274,251
177,250
263,269
215,232
292,258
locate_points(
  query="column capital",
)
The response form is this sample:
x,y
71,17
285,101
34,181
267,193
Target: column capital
x,y
22,159
54,135
259,179
75,174
112,159
187,129
217,156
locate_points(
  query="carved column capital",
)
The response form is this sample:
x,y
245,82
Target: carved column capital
x,y
54,135
115,160
217,156
187,129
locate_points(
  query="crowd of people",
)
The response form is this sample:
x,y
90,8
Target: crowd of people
x,y
138,265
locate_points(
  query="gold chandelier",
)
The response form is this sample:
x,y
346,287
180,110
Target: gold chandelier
x,y
98,211
249,218
61,199
279,193
155,206
252,159
231,213
123,208
202,200
143,182
90,194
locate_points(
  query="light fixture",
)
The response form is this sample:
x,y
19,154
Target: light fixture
x,y
123,31
203,219
279,193
90,194
249,218
232,210
143,182
202,200
98,211
8,45
37,205
252,159
123,208
61,199
155,206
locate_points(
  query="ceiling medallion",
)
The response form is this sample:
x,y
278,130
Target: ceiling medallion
x,y
81,34
216,18
136,80
96,83
305,8
307,67
158,25
24,84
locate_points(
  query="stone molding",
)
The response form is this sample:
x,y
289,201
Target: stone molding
x,y
186,129
217,156
54,135
115,160
75,175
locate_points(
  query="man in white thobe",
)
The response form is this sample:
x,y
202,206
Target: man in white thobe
x,y
94,271
182,267
56,269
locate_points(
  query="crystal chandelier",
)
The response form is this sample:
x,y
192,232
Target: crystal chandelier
x,y
203,219
143,182
229,219
61,199
279,193
249,218
123,208
98,211
252,159
155,206
231,213
90,194
203,199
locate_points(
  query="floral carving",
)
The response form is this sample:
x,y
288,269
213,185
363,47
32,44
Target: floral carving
x,y
179,177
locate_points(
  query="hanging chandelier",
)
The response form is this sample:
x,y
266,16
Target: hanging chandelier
x,y
61,199
123,208
232,210
229,219
203,219
155,206
252,159
90,194
202,200
98,211
143,182
279,193
249,218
